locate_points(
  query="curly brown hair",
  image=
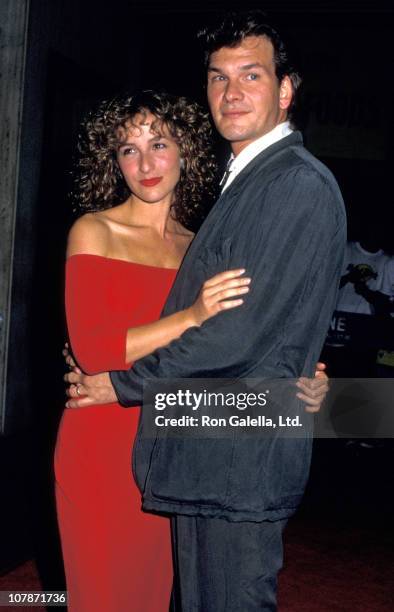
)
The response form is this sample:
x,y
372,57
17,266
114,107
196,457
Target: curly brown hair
x,y
99,183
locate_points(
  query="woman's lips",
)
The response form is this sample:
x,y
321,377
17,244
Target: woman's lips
x,y
151,182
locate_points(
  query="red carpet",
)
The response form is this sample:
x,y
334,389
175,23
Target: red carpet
x,y
23,578
330,569
327,568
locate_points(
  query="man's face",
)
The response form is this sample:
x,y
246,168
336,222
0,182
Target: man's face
x,y
244,95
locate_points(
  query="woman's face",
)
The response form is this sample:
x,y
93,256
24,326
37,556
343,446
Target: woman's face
x,y
149,160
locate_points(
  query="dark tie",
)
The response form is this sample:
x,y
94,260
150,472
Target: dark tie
x,y
227,172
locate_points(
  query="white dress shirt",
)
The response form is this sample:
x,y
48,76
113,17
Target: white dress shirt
x,y
237,164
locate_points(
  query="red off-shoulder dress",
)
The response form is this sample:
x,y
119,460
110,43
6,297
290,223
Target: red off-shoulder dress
x,y
117,558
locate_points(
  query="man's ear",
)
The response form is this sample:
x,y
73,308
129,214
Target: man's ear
x,y
285,93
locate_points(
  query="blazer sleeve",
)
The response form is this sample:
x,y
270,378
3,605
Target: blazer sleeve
x,y
98,343
294,254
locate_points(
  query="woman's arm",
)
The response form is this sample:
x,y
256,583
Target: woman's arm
x,y
213,298
90,236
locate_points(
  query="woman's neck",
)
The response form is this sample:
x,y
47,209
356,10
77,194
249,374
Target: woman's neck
x,y
157,216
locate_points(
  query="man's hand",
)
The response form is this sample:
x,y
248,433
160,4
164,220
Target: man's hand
x,y
68,357
89,390
314,390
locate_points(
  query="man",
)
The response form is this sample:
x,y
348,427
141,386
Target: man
x,y
281,217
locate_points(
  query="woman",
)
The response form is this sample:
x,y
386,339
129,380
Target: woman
x,y
146,168
151,153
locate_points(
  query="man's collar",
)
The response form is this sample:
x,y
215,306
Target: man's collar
x,y
238,163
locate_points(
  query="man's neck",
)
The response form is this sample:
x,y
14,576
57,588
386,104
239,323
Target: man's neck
x,y
252,150
238,147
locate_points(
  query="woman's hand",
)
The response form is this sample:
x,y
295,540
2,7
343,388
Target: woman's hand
x,y
314,390
214,294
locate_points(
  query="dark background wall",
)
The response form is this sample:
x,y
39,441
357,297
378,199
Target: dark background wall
x,y
79,52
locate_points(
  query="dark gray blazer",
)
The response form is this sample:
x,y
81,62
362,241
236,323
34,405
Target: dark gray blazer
x,y
283,219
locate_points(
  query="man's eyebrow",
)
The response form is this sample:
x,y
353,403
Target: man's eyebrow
x,y
250,66
244,67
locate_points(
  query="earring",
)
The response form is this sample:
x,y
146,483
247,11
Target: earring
x,y
182,163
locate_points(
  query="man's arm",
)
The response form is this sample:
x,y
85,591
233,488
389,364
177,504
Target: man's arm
x,y
294,262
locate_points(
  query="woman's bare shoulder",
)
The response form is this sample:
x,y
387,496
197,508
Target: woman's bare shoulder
x,y
88,235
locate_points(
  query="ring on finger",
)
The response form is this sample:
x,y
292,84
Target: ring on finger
x,y
78,389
